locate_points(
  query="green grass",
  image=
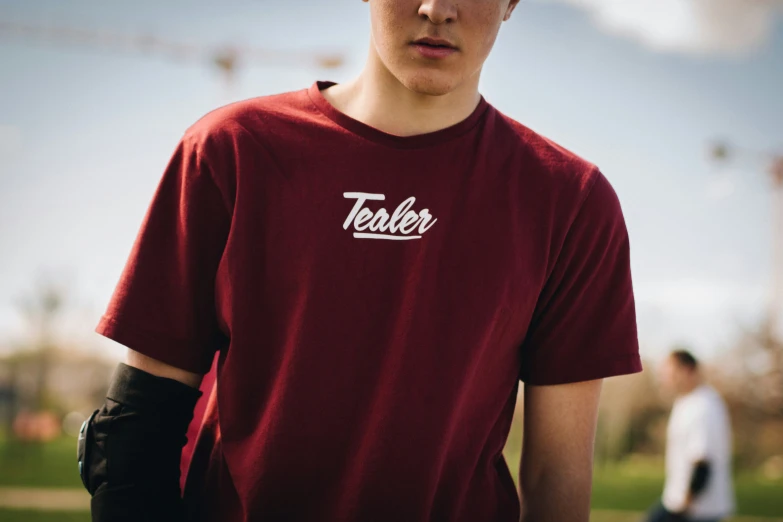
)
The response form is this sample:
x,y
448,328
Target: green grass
x,y
615,489
633,485
51,465
12,515
34,516
759,497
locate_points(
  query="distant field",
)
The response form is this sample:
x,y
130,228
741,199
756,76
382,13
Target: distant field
x,y
10,515
39,465
625,487
597,516
620,491
636,484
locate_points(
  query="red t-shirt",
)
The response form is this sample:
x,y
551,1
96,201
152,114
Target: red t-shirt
x,y
375,301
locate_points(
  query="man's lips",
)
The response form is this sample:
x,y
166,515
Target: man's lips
x,y
435,42
434,47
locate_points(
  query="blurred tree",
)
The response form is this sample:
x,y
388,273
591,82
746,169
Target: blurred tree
x,y
748,376
630,406
41,310
725,152
227,59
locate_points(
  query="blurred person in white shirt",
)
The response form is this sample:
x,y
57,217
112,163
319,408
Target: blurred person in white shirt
x,y
698,447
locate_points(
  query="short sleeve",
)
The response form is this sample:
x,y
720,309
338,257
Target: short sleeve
x,y
164,303
584,323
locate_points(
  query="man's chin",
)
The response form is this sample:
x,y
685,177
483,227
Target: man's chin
x,y
430,84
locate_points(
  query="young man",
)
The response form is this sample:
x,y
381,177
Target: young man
x,y
378,264
698,447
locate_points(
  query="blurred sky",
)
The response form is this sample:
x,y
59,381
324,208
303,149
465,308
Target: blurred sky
x,y
638,87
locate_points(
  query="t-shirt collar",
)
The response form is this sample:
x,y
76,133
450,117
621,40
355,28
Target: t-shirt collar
x,y
373,134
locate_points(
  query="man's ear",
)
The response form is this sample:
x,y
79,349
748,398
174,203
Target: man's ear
x,y
510,9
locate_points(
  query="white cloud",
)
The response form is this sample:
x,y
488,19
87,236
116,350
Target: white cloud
x,y
707,315
720,188
691,296
689,26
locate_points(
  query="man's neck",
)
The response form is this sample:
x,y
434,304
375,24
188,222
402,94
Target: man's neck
x,y
692,385
378,99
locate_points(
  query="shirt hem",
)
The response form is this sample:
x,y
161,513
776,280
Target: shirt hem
x,y
612,366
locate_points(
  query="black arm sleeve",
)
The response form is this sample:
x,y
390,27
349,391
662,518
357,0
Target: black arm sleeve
x,y
700,476
129,450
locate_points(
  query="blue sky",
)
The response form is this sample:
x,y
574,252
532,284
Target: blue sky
x,y
85,133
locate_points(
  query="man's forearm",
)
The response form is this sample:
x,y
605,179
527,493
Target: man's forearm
x,y
560,493
556,469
